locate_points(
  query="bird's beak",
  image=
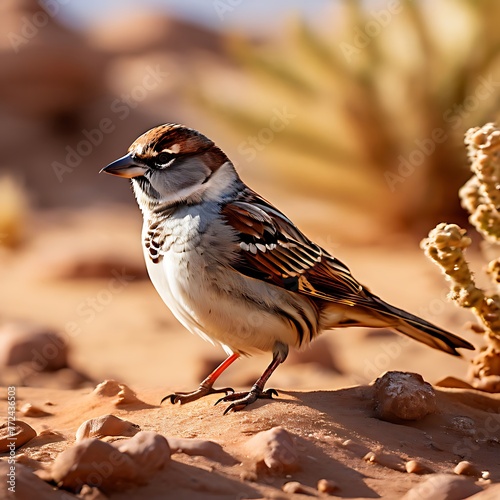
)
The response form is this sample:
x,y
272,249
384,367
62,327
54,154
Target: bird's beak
x,y
126,166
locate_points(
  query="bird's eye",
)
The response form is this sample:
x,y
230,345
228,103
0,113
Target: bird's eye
x,y
163,158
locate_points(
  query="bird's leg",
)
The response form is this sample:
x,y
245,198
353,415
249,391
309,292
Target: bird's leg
x,y
206,387
242,399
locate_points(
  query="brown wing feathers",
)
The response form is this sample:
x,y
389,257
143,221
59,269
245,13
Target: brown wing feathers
x,y
271,244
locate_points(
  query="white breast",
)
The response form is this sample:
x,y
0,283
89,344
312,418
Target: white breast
x,y
194,279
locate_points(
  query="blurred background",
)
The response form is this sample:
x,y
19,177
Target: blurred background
x,y
348,115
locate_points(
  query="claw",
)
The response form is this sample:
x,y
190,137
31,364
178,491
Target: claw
x,y
221,399
233,407
187,397
241,400
172,398
271,393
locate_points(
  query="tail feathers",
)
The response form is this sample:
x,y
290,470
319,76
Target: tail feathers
x,y
421,330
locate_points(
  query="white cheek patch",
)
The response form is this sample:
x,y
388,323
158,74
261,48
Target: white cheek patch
x,y
220,181
180,195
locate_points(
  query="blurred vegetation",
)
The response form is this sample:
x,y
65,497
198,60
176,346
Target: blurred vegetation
x,y
447,244
381,101
14,211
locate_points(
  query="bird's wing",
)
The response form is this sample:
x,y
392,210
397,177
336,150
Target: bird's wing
x,y
272,249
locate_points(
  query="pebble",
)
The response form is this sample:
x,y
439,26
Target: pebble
x,y
200,447
29,410
40,348
416,467
299,488
28,486
358,449
465,468
403,396
388,460
491,492
109,388
275,449
95,463
106,425
327,486
149,450
19,430
89,493
443,487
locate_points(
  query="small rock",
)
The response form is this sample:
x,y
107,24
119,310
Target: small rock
x,y
200,447
149,451
29,410
52,433
109,388
491,492
17,434
27,485
47,436
327,486
360,450
89,493
298,488
126,396
465,468
403,396
443,487
416,467
388,460
43,349
107,425
274,449
95,463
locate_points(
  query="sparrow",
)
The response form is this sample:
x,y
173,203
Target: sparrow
x,y
235,270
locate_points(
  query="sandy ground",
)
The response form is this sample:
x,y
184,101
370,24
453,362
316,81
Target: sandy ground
x,y
82,275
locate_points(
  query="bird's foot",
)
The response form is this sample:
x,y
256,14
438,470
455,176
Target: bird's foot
x,y
241,400
202,391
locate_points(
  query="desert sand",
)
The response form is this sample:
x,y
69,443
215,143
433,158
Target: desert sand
x,y
81,277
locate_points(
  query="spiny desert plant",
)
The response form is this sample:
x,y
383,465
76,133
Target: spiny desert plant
x,y
447,243
380,102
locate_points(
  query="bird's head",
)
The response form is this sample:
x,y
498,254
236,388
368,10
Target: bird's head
x,y
172,164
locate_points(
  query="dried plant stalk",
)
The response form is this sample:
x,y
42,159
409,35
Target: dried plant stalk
x,y
446,245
